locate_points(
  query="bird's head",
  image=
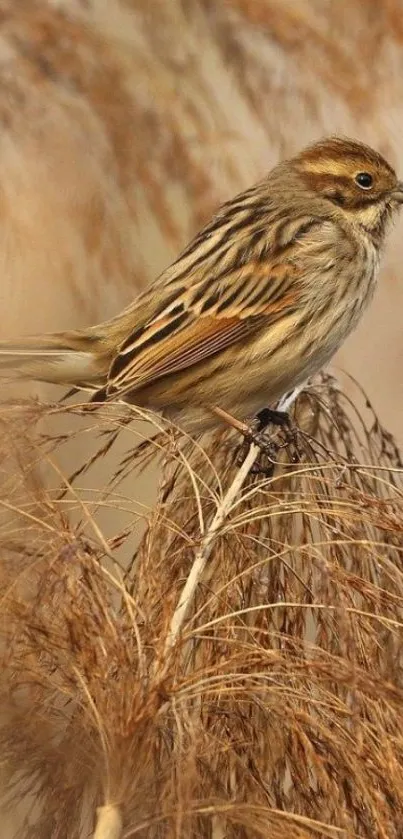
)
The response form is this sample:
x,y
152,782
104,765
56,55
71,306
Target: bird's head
x,y
353,177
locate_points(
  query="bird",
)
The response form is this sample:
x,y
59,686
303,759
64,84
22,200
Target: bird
x,y
256,304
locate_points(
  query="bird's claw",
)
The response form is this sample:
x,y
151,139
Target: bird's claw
x,y
269,448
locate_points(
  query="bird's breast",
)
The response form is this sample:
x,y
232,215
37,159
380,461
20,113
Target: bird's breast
x,y
344,292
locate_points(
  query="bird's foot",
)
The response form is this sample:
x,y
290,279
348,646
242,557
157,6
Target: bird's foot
x,y
289,432
256,433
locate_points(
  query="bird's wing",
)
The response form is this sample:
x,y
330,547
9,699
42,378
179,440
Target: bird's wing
x,y
203,321
239,275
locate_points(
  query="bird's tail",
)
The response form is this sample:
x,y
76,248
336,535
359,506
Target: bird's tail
x,y
70,358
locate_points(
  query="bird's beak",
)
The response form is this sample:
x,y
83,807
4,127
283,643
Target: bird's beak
x,y
397,193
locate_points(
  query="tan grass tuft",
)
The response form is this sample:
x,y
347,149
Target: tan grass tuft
x,y
270,705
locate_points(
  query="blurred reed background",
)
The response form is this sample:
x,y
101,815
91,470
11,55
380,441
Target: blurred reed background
x,y
124,123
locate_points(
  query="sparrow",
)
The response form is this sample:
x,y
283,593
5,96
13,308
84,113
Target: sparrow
x,y
257,303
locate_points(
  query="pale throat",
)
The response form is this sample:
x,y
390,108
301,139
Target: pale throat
x,y
372,217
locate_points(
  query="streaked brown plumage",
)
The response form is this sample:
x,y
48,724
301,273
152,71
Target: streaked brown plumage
x,y
259,301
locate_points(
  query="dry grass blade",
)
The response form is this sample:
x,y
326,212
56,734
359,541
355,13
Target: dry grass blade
x,y
273,705
109,823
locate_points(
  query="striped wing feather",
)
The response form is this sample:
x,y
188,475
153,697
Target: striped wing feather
x,y
201,322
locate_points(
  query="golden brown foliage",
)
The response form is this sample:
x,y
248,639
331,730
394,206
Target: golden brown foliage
x,y
274,706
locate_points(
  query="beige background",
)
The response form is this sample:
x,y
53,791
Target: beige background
x,y
124,123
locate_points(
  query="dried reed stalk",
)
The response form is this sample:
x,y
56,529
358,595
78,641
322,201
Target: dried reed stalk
x,y
109,822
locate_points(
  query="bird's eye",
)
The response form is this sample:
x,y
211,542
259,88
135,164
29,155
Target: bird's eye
x,y
364,180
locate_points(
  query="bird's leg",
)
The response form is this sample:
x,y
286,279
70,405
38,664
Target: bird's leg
x,y
290,432
268,449
268,416
252,432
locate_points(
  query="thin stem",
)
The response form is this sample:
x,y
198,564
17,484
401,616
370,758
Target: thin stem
x,y
206,546
204,551
109,822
